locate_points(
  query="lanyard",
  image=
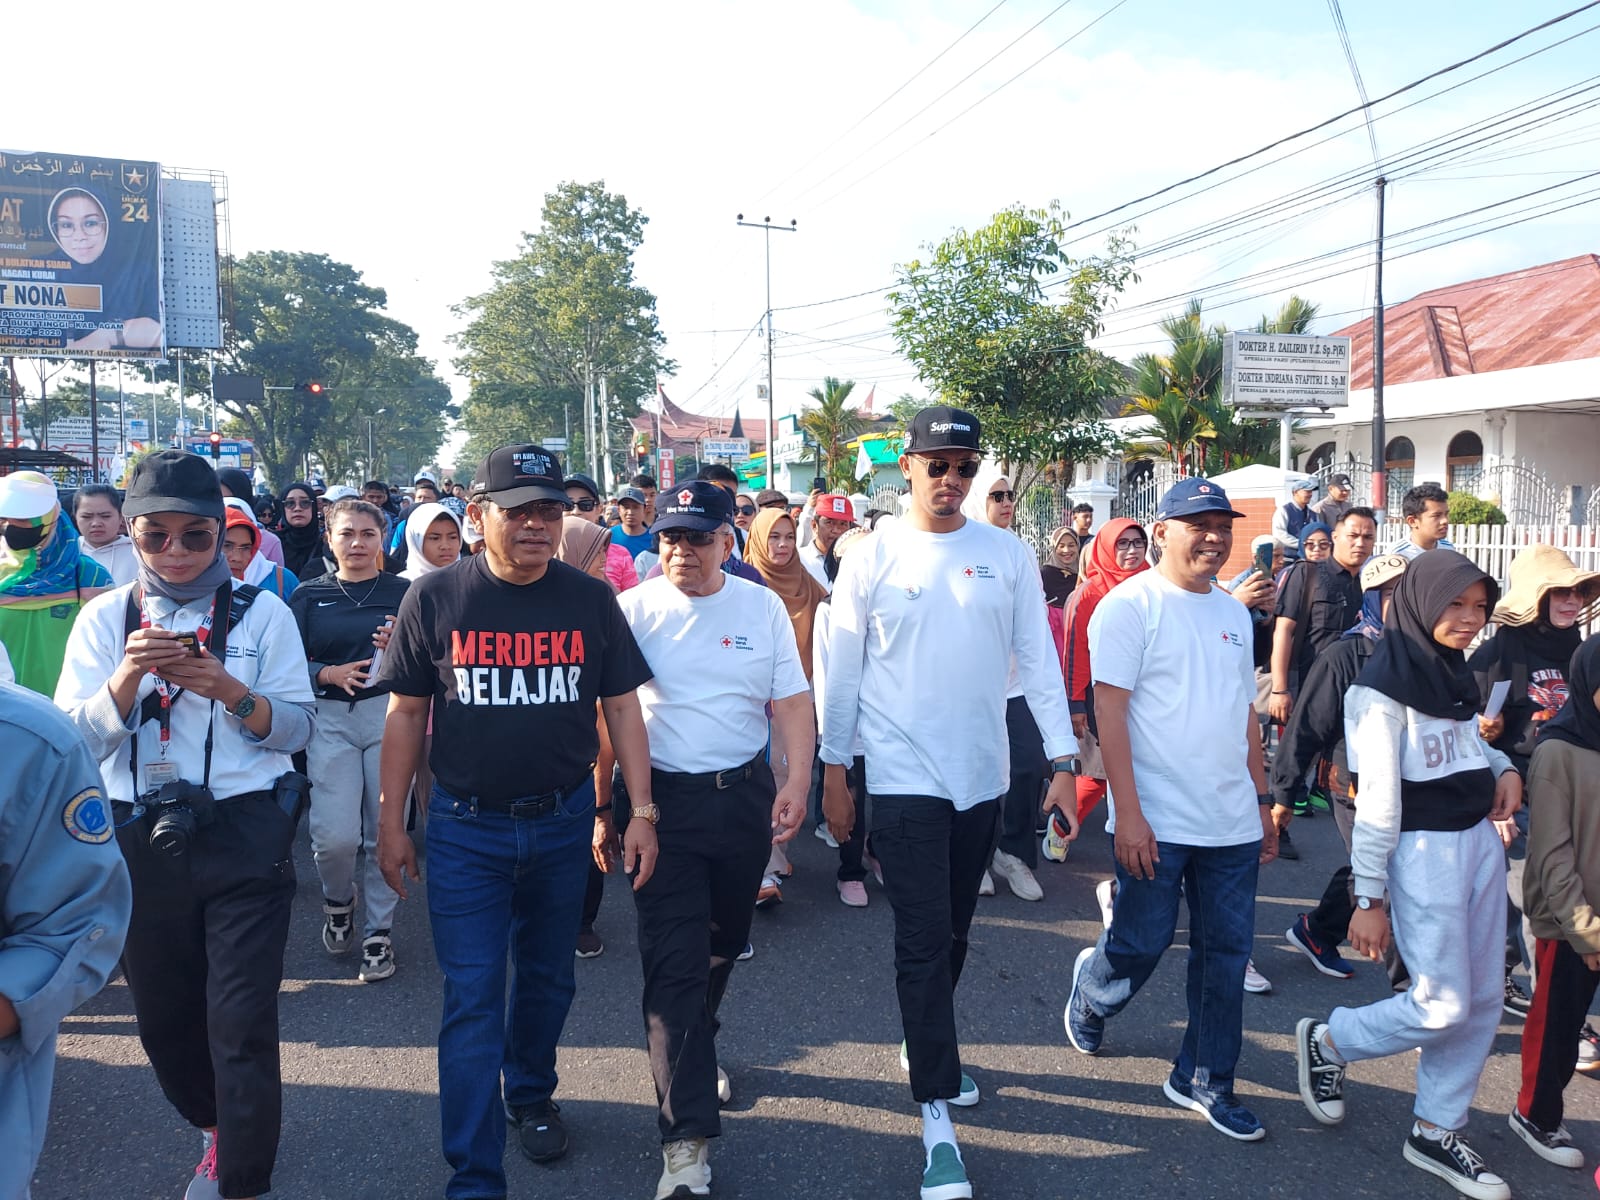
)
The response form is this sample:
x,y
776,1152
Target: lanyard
x,y
165,690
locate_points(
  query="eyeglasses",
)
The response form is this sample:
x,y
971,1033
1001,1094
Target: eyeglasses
x,y
297,504
156,541
547,512
695,537
1132,544
587,505
938,468
1003,497
1319,544
745,510
89,227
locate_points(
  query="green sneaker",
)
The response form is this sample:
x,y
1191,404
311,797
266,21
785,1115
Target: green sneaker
x,y
969,1090
945,1177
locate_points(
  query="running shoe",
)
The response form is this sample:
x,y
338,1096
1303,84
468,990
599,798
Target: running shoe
x,y
204,1185
338,928
1517,1002
685,1169
1588,1050
1324,957
826,838
377,957
1222,1109
1017,876
1255,982
589,944
540,1133
1085,1027
1455,1162
853,893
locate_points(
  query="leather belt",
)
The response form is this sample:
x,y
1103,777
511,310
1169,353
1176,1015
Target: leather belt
x,y
721,780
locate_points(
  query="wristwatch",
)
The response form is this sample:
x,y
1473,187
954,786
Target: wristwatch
x,y
242,710
1365,903
1065,766
645,812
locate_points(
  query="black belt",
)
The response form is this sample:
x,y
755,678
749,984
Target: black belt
x,y
524,808
721,780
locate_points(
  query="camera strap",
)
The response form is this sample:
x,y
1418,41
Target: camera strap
x,y
157,706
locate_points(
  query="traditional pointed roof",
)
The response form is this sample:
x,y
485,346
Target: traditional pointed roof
x,y
738,428
682,430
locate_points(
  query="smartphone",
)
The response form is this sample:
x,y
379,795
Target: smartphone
x,y
819,483
190,640
1262,561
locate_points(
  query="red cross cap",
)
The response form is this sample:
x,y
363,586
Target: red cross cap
x,y
686,497
1204,489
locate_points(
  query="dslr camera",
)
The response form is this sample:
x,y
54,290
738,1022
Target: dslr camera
x,y
175,812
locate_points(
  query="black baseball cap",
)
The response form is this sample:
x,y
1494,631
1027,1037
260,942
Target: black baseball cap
x,y
516,474
579,479
698,505
1193,497
174,481
942,428
1341,481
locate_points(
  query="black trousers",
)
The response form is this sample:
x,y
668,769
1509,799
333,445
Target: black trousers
x,y
933,859
851,868
1562,993
203,959
1329,922
694,919
1019,808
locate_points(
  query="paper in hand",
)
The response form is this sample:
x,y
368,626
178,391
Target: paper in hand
x,y
1497,699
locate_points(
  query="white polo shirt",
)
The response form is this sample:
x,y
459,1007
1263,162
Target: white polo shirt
x,y
717,661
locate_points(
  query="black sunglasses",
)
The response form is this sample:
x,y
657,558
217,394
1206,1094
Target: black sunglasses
x,y
1003,497
547,512
695,537
745,510
156,541
587,505
938,468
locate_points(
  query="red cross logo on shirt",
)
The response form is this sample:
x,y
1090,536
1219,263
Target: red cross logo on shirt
x,y
1224,635
726,642
967,572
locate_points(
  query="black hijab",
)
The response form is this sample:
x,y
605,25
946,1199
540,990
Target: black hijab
x,y
1407,664
301,543
1578,721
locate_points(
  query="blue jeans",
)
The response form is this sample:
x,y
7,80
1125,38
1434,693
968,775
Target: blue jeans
x,y
1219,883
496,882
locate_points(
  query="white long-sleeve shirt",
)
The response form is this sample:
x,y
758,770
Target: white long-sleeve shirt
x,y
924,627
264,653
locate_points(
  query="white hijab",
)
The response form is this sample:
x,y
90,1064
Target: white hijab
x,y
976,504
418,522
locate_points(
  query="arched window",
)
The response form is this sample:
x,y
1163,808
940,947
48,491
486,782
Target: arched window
x,y
1464,462
1400,462
1321,458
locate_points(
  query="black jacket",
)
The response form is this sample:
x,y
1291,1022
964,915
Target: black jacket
x,y
1316,723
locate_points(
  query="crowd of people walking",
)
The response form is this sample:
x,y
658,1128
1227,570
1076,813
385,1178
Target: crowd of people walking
x,y
536,685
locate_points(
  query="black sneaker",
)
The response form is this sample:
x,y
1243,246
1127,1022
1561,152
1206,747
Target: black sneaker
x,y
1552,1145
1517,1002
590,944
1286,850
1321,1079
1455,1162
540,1133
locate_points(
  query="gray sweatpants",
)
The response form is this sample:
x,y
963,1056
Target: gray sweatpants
x,y
342,761
1447,893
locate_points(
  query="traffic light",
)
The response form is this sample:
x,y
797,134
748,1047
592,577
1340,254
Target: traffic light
x,y
311,387
216,447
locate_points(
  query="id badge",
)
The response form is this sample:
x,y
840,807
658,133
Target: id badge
x,y
159,774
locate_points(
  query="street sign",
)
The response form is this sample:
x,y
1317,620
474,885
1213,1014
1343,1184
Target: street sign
x,y
1281,371
667,470
789,448
734,449
554,443
138,429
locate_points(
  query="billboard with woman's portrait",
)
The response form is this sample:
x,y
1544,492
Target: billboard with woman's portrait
x,y
80,257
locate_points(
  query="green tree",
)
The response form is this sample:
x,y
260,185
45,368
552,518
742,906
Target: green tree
x,y
559,316
975,320
831,426
301,317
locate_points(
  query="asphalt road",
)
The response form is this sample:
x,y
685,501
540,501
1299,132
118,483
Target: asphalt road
x,y
810,1037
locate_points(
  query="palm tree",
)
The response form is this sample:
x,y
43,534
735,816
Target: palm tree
x,y
1174,389
832,426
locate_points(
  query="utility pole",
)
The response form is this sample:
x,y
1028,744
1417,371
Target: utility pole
x,y
94,424
1380,478
766,225
605,434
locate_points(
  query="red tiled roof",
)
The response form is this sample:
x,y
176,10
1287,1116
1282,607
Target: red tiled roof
x,y
1542,314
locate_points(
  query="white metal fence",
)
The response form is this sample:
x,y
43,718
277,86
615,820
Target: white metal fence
x,y
1493,547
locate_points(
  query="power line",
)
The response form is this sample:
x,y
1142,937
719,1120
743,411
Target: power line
x,y
862,120
1355,71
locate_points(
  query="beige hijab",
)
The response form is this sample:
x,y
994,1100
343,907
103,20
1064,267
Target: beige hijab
x,y
794,585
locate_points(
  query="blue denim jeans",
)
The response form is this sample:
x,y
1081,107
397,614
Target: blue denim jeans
x,y
1219,883
495,882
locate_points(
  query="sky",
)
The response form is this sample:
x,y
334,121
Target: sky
x,y
416,142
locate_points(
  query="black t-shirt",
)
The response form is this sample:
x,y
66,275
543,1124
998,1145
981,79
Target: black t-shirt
x,y
1334,604
337,621
514,671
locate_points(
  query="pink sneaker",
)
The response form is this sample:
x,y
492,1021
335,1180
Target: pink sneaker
x,y
204,1184
853,893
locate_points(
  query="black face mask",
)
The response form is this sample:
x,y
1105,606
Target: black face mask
x,y
23,537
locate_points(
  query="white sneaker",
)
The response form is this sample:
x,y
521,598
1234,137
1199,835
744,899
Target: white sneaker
x,y
1105,893
724,1087
986,885
826,838
1017,876
1254,980
686,1169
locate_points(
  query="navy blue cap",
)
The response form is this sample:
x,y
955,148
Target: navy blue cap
x,y
697,505
1191,498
